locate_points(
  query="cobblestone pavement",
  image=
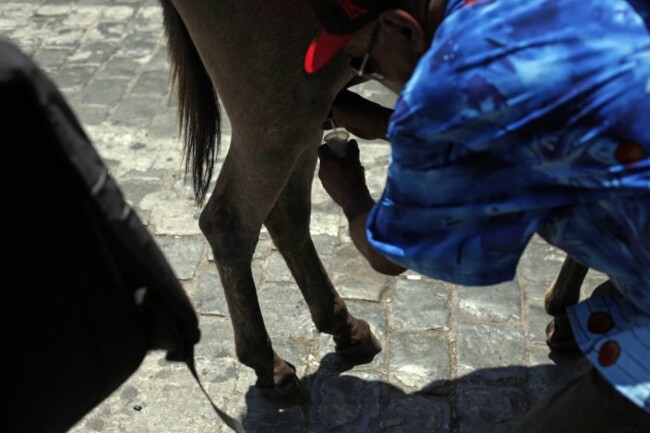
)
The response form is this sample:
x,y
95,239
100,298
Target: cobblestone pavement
x,y
455,359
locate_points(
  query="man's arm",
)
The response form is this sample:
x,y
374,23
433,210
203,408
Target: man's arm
x,y
344,180
358,234
363,118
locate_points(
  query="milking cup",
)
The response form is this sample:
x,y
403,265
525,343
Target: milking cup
x,y
337,141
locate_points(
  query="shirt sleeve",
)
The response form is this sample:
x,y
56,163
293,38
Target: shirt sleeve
x,y
616,338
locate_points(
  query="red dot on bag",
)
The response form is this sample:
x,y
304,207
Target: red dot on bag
x,y
609,353
600,322
630,152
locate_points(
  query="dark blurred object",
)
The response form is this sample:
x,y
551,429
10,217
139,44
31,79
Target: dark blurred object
x,y
86,291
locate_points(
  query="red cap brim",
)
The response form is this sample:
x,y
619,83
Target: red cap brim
x,y
323,49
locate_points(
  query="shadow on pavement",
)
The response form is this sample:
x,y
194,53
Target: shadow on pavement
x,y
489,400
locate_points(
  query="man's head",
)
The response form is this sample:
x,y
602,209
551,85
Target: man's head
x,y
382,36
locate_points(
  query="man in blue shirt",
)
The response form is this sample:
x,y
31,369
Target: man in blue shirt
x,y
515,117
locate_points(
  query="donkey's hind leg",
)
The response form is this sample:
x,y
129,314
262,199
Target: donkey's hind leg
x,y
231,221
563,293
288,224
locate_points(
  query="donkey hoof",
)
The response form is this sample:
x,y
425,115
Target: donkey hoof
x,y
288,391
559,337
360,350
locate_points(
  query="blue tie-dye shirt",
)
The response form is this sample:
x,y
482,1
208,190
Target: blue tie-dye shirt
x,y
531,116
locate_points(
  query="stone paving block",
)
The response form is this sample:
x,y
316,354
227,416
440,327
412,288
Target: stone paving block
x,y
158,62
541,262
537,321
73,79
118,13
54,10
481,348
164,124
151,83
171,214
325,244
414,413
51,58
374,158
148,19
81,16
421,305
535,291
374,314
263,248
276,269
296,351
105,91
324,223
489,409
108,32
322,204
135,188
119,67
367,374
171,161
354,278
94,54
26,40
136,110
497,303
343,404
210,298
320,200
420,360
90,114
217,339
183,254
64,37
14,15
285,312
139,45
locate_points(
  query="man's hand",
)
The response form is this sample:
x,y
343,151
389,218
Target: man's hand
x,y
344,179
360,116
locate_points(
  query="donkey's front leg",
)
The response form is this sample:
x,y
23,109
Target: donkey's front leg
x,y
288,224
563,293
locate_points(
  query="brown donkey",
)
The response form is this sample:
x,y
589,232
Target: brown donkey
x,y
250,52
246,51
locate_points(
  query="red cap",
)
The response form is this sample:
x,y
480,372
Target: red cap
x,y
340,19
323,49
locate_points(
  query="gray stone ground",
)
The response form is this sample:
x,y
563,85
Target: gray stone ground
x,y
455,359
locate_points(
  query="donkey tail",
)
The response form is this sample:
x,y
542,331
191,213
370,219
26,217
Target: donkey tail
x,y
198,107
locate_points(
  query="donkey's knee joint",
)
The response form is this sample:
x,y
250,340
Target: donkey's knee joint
x,y
207,222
